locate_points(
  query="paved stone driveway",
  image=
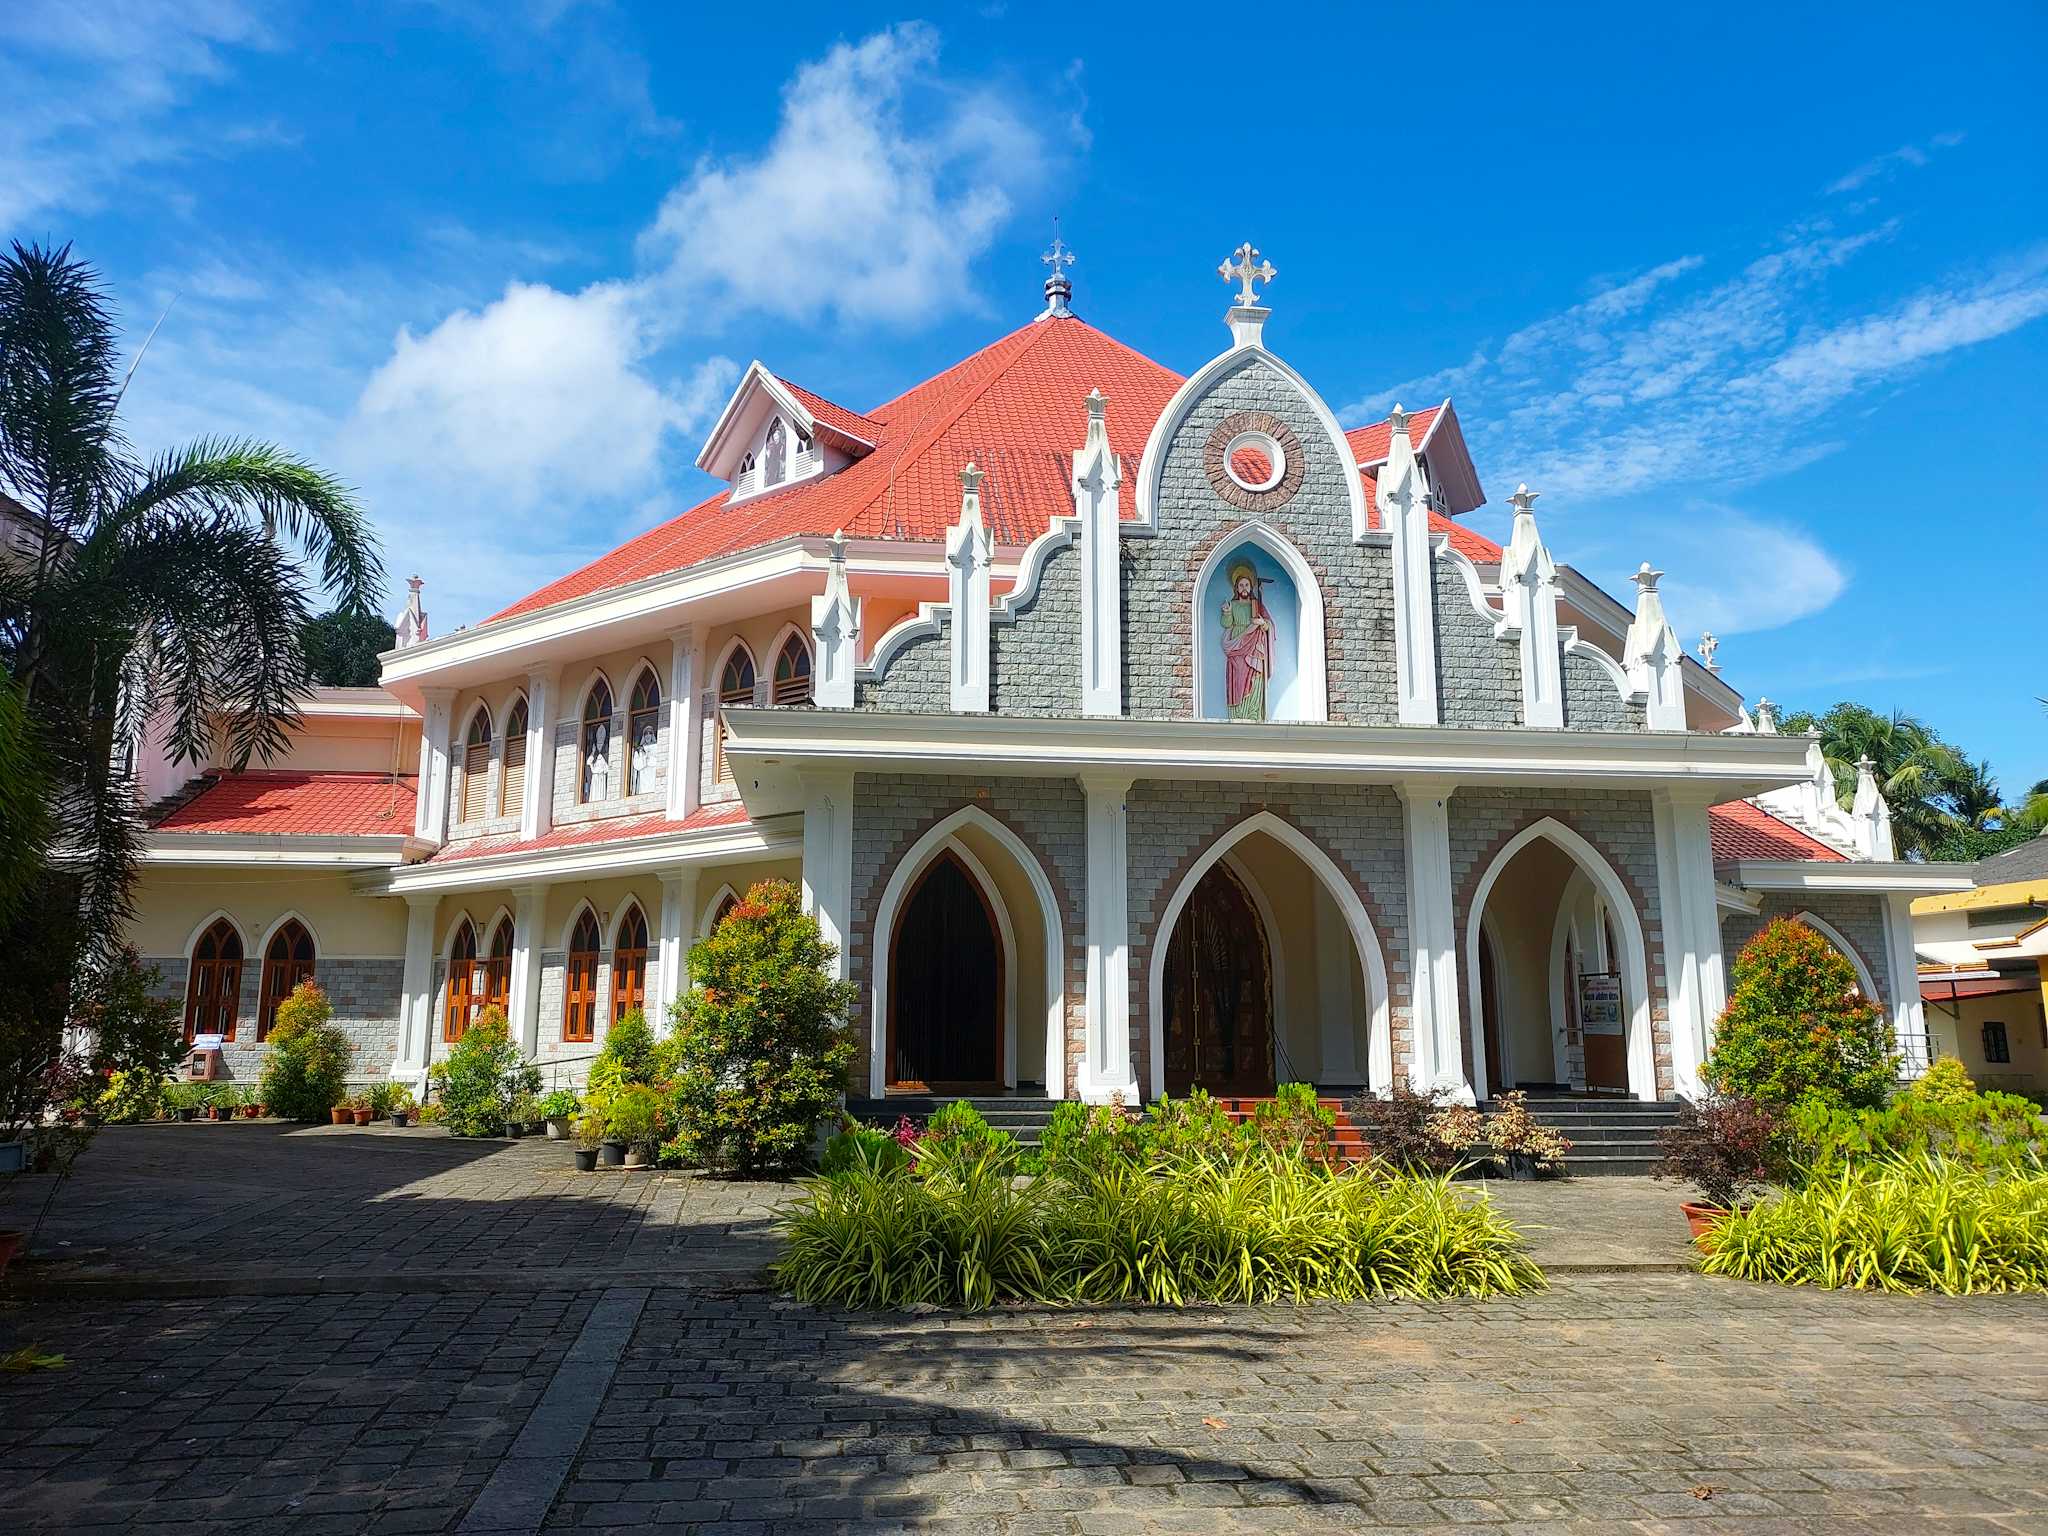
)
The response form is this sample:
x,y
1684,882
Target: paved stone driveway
x,y
578,1399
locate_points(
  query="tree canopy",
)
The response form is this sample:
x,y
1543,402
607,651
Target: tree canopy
x,y
341,647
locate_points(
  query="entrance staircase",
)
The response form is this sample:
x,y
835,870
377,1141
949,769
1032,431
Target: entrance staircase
x,y
1024,1118
1348,1144
1608,1136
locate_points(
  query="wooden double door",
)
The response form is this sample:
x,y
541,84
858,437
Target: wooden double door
x,y
946,985
1218,993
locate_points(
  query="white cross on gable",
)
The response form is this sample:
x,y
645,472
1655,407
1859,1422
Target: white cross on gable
x,y
1245,270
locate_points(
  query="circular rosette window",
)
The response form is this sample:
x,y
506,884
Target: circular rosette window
x,y
1254,461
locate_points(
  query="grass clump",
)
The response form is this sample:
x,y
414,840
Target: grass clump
x,y
1258,1225
1914,1222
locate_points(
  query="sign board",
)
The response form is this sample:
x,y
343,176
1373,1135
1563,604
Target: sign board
x,y
208,1042
1600,1002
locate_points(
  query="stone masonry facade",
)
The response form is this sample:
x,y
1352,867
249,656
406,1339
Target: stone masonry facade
x,y
366,993
1859,919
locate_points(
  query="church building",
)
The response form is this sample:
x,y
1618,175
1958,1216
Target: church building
x,y
1128,732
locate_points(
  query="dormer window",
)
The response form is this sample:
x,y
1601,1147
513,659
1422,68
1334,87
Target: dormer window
x,y
773,434
746,466
774,453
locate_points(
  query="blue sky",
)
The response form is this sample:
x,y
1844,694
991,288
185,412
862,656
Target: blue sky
x,y
1757,296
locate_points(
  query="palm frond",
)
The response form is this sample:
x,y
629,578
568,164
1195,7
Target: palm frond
x,y
60,451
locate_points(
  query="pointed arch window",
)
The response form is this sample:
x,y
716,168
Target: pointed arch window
x,y
596,743
287,961
793,672
643,733
579,983
512,782
735,686
213,988
497,970
724,911
774,454
476,766
465,984
629,964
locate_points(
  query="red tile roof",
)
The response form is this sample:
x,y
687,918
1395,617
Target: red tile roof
x,y
283,803
613,830
1370,443
1741,830
1473,546
1014,408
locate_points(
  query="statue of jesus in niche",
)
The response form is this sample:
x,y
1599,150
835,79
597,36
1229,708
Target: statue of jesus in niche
x,y
1247,646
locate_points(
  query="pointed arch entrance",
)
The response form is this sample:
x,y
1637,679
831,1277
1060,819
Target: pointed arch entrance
x,y
1548,910
946,971
1218,992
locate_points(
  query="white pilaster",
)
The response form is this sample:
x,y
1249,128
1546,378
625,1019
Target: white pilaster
x,y
1439,1057
435,725
522,1000
1528,579
828,858
1653,656
1902,965
1403,500
968,555
685,738
537,805
678,908
1695,979
1106,1060
1097,479
835,632
416,1000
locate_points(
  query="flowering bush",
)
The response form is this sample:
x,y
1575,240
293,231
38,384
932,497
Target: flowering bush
x,y
761,1043
1513,1132
1795,1026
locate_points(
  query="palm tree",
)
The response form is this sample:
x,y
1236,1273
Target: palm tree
x,y
1972,794
129,588
1914,768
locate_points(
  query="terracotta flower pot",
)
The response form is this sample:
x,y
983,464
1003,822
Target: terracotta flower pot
x,y
251,1111
362,1116
1702,1218
342,1116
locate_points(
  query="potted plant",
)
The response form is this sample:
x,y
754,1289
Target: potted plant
x,y
358,1107
634,1119
554,1111
182,1100
522,1115
399,1104
589,1141
252,1109
1727,1149
1522,1142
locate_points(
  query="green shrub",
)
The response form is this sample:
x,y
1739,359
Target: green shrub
x,y
627,1056
306,1067
1196,1126
1980,1130
1294,1120
1946,1081
130,1096
956,1135
1415,1131
1895,1224
1258,1227
761,1042
634,1115
126,1027
1093,1136
863,1148
483,1074
1796,1028
557,1105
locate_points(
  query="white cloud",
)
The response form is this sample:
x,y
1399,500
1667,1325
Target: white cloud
x,y
1732,573
1878,166
93,92
853,208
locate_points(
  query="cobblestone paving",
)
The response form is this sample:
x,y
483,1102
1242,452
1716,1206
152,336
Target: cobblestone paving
x,y
1640,1402
249,1197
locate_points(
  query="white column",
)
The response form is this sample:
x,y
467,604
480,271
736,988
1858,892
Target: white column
x,y
685,735
1909,1020
1403,498
828,859
435,726
967,592
678,907
1439,1060
522,1000
1106,1060
1694,979
537,809
1097,480
416,1000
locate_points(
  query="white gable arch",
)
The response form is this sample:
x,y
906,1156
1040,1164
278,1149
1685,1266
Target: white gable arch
x,y
626,904
581,697
1634,956
575,916
715,678
1840,942
289,915
943,836
1198,385
1371,960
1310,661
216,915
706,917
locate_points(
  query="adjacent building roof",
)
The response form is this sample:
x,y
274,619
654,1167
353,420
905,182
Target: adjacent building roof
x,y
610,830
1741,830
285,803
1014,408
2029,861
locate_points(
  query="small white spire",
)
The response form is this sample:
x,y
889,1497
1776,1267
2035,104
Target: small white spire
x,y
969,554
835,626
1097,482
1528,579
1873,817
1709,643
1652,656
412,619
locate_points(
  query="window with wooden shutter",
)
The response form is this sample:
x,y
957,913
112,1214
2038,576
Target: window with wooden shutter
x,y
629,964
496,988
286,962
476,767
579,984
213,988
465,989
735,686
793,672
512,792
